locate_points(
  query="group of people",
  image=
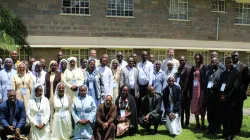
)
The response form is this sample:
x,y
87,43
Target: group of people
x,y
104,99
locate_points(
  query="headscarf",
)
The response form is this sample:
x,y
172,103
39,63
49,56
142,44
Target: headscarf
x,y
33,92
90,59
171,62
4,67
78,90
51,62
56,91
20,65
114,61
60,67
33,68
70,59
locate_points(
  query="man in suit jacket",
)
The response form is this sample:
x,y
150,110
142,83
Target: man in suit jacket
x,y
13,117
230,82
129,76
244,72
150,111
182,76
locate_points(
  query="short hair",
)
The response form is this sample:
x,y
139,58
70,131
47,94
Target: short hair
x,y
10,91
93,50
82,60
103,58
235,52
170,49
149,87
228,58
201,57
129,58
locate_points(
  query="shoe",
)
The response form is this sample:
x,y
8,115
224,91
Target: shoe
x,y
231,137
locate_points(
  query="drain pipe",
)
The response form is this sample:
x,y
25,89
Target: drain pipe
x,y
217,30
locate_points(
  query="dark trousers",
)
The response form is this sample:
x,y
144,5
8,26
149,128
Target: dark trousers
x,y
132,92
4,131
213,114
238,116
153,120
143,92
107,134
185,106
227,117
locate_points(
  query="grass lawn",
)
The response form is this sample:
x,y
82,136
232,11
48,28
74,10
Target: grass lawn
x,y
247,103
190,133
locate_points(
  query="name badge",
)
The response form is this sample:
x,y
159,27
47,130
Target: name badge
x,y
91,85
222,88
62,113
122,113
39,118
171,107
73,82
178,80
115,84
24,91
195,83
210,84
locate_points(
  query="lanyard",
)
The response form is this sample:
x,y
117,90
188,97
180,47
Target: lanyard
x,y
38,107
22,79
82,104
9,76
61,101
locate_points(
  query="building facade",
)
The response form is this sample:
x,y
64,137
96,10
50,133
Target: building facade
x,y
189,26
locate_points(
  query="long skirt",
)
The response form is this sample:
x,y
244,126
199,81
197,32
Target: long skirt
x,y
174,126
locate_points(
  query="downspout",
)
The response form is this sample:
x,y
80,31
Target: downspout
x,y
217,28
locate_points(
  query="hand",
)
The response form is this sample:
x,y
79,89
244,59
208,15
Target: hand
x,y
123,118
17,132
147,117
74,88
105,126
41,126
11,128
38,127
85,121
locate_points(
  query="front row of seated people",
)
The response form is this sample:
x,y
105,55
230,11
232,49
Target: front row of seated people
x,y
60,118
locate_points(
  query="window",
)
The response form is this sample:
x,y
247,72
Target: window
x,y
120,8
112,53
242,13
79,7
22,54
190,57
78,53
178,9
159,54
223,55
218,5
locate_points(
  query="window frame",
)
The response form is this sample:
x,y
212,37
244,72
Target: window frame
x,y
218,6
23,54
113,55
78,55
115,8
237,11
158,55
171,11
191,53
71,8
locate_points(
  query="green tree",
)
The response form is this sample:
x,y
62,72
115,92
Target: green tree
x,y
13,32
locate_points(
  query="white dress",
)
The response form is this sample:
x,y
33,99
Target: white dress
x,y
34,108
61,121
174,126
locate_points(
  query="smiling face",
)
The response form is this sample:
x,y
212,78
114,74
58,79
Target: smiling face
x,y
171,81
182,61
61,90
11,97
72,63
92,65
39,91
21,69
82,91
157,65
14,55
197,60
8,64
124,92
114,65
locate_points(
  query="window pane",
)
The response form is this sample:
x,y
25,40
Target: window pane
x,y
120,8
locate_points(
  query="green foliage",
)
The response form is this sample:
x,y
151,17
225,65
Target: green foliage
x,y
247,103
13,31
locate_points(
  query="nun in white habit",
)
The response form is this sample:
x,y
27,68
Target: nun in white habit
x,y
172,105
39,114
83,112
38,74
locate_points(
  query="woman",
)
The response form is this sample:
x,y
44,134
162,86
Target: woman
x,y
38,74
83,67
22,83
72,77
172,105
83,112
39,114
126,112
52,78
94,82
196,88
60,118
62,65
116,81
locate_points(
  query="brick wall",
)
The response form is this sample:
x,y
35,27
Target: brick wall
x,y
151,21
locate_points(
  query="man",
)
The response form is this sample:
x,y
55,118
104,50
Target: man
x,y
1,62
164,66
42,62
158,78
150,111
31,61
230,82
215,55
105,116
13,118
83,66
151,58
134,55
129,76
5,78
106,56
182,79
14,56
59,57
107,76
244,72
93,56
119,57
212,98
145,78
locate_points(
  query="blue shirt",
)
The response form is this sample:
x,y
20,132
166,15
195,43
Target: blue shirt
x,y
158,80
